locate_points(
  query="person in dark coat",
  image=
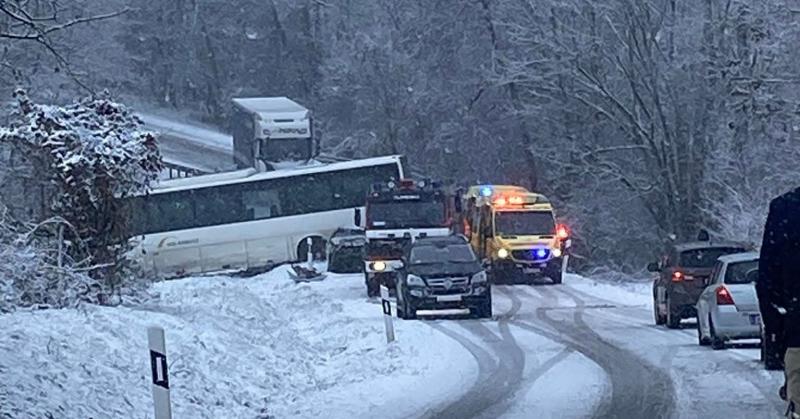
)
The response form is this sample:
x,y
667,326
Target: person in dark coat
x,y
779,284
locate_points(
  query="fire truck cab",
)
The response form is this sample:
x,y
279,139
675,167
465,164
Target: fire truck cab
x,y
398,212
515,232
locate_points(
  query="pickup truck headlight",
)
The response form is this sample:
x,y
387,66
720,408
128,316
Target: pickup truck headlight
x,y
502,253
414,281
479,278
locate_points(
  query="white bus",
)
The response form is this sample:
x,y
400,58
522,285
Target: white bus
x,y
250,220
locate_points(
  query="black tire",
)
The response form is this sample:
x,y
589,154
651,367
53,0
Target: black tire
x,y
373,285
659,318
557,277
409,312
701,340
484,309
673,319
717,343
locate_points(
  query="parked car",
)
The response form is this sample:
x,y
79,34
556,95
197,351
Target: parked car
x,y
346,251
683,274
728,307
442,273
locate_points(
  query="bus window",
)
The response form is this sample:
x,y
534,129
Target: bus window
x,y
261,203
350,188
171,211
219,205
310,193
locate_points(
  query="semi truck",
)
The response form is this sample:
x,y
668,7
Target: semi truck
x,y
270,130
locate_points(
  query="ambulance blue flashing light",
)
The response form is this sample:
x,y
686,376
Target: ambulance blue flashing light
x,y
486,191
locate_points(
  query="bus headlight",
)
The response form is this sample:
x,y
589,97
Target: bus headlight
x,y
379,266
557,253
502,253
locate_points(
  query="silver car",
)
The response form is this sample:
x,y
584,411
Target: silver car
x,y
728,307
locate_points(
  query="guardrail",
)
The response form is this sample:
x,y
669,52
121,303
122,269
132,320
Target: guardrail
x,y
177,171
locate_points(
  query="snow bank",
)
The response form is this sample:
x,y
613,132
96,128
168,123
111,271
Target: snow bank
x,y
619,289
238,348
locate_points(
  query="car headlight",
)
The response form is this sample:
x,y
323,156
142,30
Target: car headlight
x,y
502,253
379,266
479,278
557,253
414,281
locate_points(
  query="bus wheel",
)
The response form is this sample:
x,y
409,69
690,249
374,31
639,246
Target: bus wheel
x,y
318,249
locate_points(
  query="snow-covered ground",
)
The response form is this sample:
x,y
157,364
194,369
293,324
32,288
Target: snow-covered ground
x,y
267,347
237,347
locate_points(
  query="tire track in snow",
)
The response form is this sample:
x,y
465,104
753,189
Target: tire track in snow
x,y
759,382
638,388
500,368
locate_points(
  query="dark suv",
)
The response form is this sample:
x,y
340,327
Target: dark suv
x,y
683,275
442,273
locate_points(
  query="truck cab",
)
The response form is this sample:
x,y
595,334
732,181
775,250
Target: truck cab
x,y
515,232
268,131
397,213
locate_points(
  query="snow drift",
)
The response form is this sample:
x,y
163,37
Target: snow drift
x,y
237,347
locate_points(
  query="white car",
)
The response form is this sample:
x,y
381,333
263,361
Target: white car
x,y
728,307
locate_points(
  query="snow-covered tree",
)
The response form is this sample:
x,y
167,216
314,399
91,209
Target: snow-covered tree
x,y
93,154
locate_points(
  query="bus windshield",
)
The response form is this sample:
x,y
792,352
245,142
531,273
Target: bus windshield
x,y
406,214
524,223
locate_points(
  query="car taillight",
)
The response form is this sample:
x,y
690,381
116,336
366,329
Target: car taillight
x,y
724,297
677,276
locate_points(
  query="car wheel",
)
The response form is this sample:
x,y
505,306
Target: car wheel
x,y
673,319
557,277
484,309
401,312
660,320
373,285
409,311
717,343
701,340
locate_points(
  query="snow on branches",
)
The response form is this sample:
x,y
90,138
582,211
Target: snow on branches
x,y
90,155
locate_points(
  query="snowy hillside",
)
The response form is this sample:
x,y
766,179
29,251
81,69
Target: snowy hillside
x,y
238,348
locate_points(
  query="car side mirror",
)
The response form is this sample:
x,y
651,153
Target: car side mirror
x,y
357,217
653,267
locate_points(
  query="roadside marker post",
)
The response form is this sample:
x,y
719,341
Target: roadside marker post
x,y
158,369
387,314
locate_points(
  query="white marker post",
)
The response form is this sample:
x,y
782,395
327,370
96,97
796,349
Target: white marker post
x,y
158,368
310,253
387,314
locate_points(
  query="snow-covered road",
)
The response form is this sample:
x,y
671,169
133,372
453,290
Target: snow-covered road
x,y
266,347
586,349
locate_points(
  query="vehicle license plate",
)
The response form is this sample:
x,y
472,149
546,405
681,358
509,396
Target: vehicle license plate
x,y
446,298
755,319
531,270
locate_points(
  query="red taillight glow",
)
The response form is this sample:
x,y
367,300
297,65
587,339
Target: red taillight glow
x,y
562,232
500,202
677,276
724,297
